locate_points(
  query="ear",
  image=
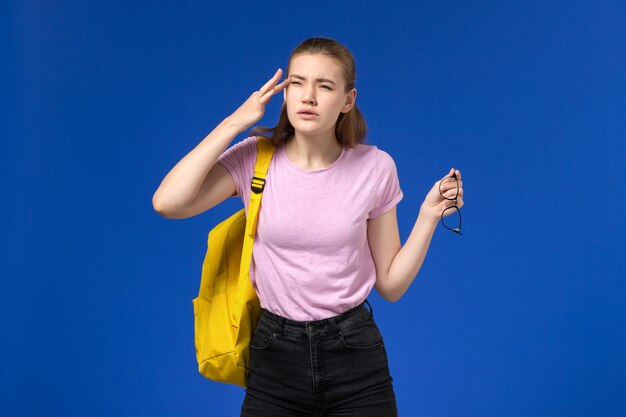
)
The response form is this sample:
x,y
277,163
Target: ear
x,y
350,101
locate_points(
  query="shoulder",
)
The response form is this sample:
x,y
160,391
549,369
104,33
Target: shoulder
x,y
377,158
249,142
363,152
243,149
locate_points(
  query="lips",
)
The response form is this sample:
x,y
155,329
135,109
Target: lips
x,y
308,112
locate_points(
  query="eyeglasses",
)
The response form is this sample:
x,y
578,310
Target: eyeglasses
x,y
452,219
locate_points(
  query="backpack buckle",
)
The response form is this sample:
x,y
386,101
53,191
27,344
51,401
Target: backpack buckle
x,y
257,185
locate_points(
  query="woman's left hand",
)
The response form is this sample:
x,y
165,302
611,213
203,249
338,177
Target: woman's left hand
x,y
434,204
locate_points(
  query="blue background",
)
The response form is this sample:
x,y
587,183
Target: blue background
x,y
523,315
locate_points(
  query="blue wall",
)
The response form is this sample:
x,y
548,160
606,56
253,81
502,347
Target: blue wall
x,y
523,315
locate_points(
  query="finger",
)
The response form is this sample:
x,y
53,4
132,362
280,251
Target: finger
x,y
448,204
458,175
280,86
447,184
448,176
266,97
271,82
445,187
263,99
275,90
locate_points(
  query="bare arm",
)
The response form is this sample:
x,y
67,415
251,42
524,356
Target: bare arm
x,y
197,183
182,184
397,265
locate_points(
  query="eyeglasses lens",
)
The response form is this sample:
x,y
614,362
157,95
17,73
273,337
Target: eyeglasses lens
x,y
451,216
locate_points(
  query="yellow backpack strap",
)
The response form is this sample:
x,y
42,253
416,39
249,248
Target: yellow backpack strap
x,y
265,152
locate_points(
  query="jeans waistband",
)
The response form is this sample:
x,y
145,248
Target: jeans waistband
x,y
343,321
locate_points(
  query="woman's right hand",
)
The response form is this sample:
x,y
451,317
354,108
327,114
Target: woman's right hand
x,y
253,109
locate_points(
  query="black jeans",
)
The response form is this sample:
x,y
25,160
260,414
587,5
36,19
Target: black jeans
x,y
332,367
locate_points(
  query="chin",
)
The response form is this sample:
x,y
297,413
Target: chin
x,y
303,127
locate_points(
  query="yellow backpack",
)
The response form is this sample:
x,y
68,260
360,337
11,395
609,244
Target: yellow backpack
x,y
227,308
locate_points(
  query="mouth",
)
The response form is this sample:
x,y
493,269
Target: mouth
x,y
307,115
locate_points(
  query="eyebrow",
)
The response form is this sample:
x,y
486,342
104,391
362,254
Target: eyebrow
x,y
320,80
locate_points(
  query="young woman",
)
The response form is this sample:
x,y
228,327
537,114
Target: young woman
x,y
327,233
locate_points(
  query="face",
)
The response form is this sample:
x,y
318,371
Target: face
x,y
316,84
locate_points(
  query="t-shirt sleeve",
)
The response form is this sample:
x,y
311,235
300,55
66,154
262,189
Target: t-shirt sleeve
x,y
239,161
388,192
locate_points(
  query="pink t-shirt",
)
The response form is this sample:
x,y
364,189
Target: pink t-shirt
x,y
311,258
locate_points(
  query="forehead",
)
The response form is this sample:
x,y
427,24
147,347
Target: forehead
x,y
315,66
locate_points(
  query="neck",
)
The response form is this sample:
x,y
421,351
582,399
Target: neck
x,y
313,152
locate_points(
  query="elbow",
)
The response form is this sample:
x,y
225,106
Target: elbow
x,y
169,212
392,298
158,206
388,294
389,297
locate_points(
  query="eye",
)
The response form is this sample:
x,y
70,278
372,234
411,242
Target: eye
x,y
326,87
294,82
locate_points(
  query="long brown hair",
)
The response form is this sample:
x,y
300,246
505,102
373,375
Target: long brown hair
x,y
350,128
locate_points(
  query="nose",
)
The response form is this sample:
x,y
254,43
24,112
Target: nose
x,y
308,95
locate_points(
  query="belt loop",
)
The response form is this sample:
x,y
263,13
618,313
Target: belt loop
x,y
371,309
281,322
333,324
